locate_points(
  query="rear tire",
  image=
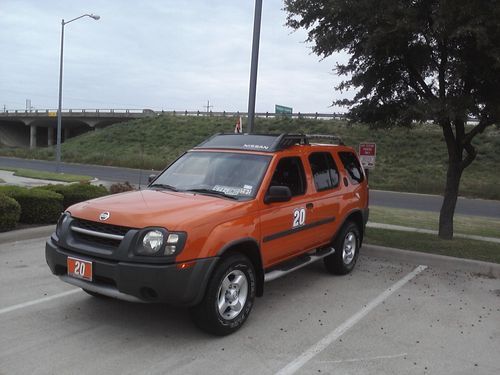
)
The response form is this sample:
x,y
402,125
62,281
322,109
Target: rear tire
x,y
229,297
346,245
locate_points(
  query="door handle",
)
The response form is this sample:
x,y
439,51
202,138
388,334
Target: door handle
x,y
309,206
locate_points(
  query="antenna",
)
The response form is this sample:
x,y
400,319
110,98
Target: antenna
x,y
142,165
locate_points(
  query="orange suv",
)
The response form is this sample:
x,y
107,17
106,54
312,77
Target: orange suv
x,y
229,215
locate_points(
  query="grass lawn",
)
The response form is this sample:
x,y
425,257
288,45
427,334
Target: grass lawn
x,y
475,225
427,243
412,160
31,173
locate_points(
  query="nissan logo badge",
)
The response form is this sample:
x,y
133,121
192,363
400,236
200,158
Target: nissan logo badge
x,y
104,216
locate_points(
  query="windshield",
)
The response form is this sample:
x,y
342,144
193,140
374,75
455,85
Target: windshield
x,y
228,174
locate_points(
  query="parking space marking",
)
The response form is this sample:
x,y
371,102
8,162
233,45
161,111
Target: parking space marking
x,y
37,301
317,348
366,358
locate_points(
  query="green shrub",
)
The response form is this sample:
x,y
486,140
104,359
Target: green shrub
x,y
10,189
76,193
10,211
121,188
37,206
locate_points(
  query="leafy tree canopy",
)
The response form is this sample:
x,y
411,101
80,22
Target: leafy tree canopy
x,y
411,61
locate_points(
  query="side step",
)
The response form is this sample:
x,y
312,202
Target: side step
x,y
296,263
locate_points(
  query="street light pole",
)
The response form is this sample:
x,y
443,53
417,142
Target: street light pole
x,y
59,107
254,64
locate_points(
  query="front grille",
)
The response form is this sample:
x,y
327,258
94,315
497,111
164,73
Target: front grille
x,y
106,242
94,233
101,227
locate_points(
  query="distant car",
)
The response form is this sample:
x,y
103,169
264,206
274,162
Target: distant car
x,y
232,213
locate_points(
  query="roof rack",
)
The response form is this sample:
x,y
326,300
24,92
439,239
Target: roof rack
x,y
262,142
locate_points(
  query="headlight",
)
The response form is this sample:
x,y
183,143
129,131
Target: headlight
x,y
152,242
158,242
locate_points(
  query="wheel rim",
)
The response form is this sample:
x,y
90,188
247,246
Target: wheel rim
x,y
232,295
349,249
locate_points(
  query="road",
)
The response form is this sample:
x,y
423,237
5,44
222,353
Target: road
x,y
384,318
476,207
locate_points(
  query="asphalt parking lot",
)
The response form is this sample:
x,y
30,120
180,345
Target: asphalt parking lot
x,y
384,318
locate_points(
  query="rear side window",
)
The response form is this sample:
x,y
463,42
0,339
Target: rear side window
x,y
352,166
290,172
325,173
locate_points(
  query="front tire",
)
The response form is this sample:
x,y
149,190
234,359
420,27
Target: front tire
x,y
346,245
229,297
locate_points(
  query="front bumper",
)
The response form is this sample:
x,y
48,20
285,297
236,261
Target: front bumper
x,y
136,281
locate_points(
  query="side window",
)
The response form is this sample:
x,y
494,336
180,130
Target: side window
x,y
352,166
325,173
290,172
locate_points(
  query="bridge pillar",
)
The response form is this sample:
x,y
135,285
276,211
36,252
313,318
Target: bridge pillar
x,y
66,134
50,136
32,136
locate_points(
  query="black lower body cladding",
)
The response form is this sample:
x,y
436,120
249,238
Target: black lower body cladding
x,y
147,282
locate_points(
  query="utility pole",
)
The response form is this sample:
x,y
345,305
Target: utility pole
x,y
254,64
208,106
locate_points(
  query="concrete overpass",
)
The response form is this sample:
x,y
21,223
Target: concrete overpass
x,y
38,127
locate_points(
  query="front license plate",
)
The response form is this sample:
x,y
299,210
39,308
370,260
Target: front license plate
x,y
79,268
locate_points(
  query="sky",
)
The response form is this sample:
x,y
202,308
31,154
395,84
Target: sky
x,y
159,54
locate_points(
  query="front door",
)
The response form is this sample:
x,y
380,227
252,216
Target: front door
x,y
284,225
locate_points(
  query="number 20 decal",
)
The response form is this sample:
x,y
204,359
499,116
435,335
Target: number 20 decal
x,y
79,268
299,217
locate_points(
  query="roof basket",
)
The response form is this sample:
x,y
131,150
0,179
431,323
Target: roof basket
x,y
286,140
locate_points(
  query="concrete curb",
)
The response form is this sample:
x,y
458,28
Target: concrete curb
x,y
429,231
433,260
27,234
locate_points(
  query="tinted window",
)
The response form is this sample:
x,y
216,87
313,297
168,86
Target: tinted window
x,y
324,171
290,172
352,166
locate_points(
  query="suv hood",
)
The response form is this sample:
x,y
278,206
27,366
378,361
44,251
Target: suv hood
x,y
171,210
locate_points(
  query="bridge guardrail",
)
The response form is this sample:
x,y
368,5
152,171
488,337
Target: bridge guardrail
x,y
136,113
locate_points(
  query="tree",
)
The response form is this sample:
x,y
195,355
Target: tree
x,y
420,60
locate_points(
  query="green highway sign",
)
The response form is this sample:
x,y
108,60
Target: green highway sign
x,y
282,110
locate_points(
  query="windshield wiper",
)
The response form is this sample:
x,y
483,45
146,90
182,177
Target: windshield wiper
x,y
164,186
212,192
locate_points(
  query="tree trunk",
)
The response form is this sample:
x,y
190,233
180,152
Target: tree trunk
x,y
450,200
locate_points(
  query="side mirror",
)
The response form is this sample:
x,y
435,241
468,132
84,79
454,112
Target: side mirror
x,y
278,194
151,177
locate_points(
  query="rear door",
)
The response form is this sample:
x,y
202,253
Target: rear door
x,y
325,196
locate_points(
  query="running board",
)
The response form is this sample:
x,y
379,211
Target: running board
x,y
277,273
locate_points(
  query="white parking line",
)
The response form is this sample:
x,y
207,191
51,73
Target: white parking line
x,y
305,357
394,356
37,301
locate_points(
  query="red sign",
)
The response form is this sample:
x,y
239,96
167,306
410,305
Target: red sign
x,y
367,154
79,268
367,149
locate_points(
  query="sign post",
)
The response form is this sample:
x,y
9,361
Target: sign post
x,y
367,155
